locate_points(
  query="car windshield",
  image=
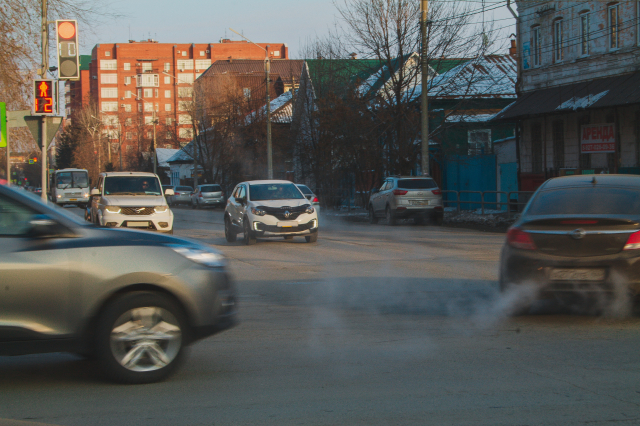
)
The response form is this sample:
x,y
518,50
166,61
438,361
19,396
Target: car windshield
x,y
131,185
417,183
72,180
274,191
305,189
184,189
211,188
599,200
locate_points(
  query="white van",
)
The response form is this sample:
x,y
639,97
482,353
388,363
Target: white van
x,y
70,186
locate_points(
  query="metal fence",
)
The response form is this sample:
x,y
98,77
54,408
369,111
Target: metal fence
x,y
514,203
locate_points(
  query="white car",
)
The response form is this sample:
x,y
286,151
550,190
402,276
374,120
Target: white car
x,y
269,208
131,200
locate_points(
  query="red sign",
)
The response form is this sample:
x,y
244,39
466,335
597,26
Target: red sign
x,y
44,102
597,138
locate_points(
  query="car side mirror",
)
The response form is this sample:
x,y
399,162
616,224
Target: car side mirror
x,y
169,192
42,226
95,191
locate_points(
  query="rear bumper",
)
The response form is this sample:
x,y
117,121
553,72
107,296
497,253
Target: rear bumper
x,y
403,212
522,267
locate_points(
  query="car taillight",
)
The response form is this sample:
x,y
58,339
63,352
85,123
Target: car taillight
x,y
222,193
400,192
315,200
633,243
436,192
200,195
176,193
517,238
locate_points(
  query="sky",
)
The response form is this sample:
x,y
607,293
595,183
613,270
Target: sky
x,y
197,21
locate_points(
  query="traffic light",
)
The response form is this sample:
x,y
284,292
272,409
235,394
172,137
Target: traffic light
x,y
68,59
44,97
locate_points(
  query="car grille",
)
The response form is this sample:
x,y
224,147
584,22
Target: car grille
x,y
74,194
280,212
137,211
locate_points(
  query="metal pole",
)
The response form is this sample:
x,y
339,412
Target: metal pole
x,y
424,116
269,151
8,153
43,120
155,165
43,137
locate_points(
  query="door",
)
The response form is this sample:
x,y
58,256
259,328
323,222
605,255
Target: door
x,y
34,278
379,199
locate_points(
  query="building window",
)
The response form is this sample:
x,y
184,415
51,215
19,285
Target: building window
x,y
479,142
167,67
202,53
147,80
108,64
149,135
109,78
129,136
148,93
139,107
146,67
185,133
127,66
558,40
148,107
148,119
167,94
536,147
127,122
246,92
184,119
107,53
156,93
127,107
167,136
127,81
276,53
110,120
203,64
558,144
169,121
167,80
109,92
127,94
167,107
184,53
109,106
185,64
139,93
184,105
613,27
185,92
585,33
157,107
536,46
185,79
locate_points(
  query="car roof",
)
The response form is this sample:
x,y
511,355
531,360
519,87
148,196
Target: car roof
x,y
258,182
70,170
146,174
590,180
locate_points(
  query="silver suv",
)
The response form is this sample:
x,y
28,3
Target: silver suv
x,y
132,300
404,197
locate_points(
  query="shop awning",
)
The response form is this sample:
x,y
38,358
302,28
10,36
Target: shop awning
x,y
601,93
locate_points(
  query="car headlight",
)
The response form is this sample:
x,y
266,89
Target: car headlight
x,y
112,209
309,209
85,195
160,209
258,212
59,196
200,255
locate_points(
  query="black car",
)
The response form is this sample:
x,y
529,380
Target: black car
x,y
578,235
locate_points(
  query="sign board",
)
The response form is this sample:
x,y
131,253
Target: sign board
x,y
3,125
53,124
16,118
597,138
45,97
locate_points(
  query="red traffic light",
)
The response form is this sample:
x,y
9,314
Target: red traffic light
x,y
68,58
66,29
44,97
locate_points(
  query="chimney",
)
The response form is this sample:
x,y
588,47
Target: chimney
x,y
513,51
230,59
353,56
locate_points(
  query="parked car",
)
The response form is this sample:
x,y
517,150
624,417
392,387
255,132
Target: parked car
x,y
132,300
308,193
131,200
269,208
207,195
578,235
405,197
182,195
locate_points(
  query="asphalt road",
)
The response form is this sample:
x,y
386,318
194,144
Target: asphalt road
x,y
370,325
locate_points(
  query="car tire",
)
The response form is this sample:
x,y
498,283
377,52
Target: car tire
x,y
249,238
229,232
372,216
311,238
391,220
140,338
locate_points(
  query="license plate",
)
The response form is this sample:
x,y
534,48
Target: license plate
x,y
137,224
73,199
419,202
287,224
560,274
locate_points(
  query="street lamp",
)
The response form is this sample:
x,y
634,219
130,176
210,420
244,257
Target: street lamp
x,y
154,121
267,68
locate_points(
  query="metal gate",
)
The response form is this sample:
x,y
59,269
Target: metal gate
x,y
470,173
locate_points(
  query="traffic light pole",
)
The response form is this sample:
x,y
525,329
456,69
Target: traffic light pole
x,y
43,119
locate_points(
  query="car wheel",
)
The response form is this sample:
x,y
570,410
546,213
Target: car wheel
x,y
140,338
311,238
288,237
249,238
229,232
372,216
391,220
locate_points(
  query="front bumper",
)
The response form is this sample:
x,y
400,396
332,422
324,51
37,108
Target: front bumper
x,y
72,200
161,222
524,267
270,226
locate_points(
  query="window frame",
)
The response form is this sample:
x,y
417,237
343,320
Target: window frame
x,y
558,40
536,48
610,28
585,38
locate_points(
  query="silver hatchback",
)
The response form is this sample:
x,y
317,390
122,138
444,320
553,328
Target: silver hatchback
x,y
207,195
406,197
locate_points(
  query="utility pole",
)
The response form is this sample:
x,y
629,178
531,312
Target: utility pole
x,y
43,119
424,116
155,152
267,65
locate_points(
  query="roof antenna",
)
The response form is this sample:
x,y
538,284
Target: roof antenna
x,y
594,181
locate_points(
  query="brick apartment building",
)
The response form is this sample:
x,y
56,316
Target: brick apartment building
x,y
131,82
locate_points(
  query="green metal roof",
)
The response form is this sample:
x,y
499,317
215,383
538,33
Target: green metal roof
x,y
85,60
328,74
443,65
